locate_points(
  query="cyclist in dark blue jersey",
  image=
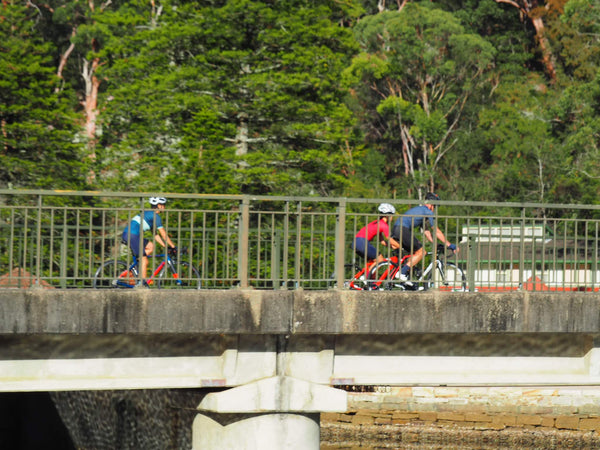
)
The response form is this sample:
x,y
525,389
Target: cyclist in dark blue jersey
x,y
150,220
421,216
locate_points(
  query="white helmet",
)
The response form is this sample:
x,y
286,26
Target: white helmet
x,y
386,208
157,201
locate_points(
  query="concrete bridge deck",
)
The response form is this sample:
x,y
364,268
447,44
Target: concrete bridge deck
x,y
274,356
113,339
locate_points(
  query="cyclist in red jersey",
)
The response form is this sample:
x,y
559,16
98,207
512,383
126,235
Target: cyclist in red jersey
x,y
379,229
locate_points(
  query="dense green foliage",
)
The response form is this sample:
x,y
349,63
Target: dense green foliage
x,y
302,97
38,132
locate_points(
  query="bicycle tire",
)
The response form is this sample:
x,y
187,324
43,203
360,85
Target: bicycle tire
x,y
188,277
387,283
115,274
358,283
451,278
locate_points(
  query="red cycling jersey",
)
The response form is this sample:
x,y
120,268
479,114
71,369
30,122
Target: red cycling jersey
x,y
371,230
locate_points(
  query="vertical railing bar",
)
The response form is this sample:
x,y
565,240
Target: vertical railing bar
x,y
190,244
595,259
51,245
470,256
101,235
25,244
88,246
244,256
585,252
317,268
38,266
323,241
274,238
64,249
285,246
10,245
543,270
575,264
298,252
205,270
565,256
260,276
216,249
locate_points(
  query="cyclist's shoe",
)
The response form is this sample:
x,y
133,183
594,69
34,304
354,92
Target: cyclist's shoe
x,y
405,281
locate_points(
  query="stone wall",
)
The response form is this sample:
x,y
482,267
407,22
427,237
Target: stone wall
x,y
478,408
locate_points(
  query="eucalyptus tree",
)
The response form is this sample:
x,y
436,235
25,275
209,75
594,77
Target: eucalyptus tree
x,y
576,113
416,74
38,129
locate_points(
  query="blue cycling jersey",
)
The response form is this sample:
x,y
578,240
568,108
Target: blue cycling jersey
x,y
415,217
151,219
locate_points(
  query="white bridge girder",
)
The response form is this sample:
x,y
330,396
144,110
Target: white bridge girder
x,y
236,368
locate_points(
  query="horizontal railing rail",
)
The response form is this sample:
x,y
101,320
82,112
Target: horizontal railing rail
x,y
59,239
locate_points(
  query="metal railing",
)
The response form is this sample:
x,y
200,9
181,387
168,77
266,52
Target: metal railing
x,y
59,239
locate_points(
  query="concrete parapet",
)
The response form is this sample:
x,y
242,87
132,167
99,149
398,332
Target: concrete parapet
x,y
237,311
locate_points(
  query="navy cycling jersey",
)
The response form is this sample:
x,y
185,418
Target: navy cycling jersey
x,y
415,217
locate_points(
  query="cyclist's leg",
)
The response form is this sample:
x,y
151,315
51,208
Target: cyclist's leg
x,y
411,244
360,246
365,250
148,247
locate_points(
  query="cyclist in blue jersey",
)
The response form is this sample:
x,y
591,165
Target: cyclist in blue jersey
x,y
150,221
421,216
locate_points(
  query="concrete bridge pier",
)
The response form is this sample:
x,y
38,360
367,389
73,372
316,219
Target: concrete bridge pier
x,y
279,412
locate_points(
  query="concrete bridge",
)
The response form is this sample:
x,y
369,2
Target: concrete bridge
x,y
273,359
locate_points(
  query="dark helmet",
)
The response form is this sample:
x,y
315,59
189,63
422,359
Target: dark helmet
x,y
431,196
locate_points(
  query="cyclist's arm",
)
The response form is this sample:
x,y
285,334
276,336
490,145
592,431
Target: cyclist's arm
x,y
162,237
440,236
394,243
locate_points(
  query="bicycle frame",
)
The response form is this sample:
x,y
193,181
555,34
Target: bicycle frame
x,y
134,267
394,264
390,272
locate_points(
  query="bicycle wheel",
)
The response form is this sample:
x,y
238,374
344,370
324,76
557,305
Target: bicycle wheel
x,y
359,281
115,274
451,278
188,277
385,276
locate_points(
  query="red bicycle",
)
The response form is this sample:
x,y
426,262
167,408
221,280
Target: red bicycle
x,y
439,273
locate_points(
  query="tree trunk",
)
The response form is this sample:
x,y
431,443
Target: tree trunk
x,y
90,105
527,9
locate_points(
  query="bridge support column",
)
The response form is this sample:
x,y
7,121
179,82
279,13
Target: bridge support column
x,y
279,412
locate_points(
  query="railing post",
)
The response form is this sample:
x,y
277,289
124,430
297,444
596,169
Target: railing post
x,y
244,248
522,250
64,253
340,245
286,244
298,251
471,258
38,253
276,259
